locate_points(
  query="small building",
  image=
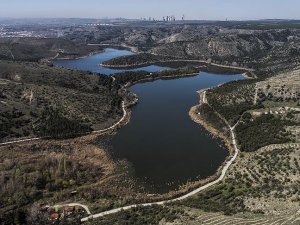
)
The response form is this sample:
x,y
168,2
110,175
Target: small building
x,y
54,216
74,193
257,113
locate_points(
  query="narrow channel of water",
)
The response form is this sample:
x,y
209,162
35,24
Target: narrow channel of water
x,y
92,63
165,147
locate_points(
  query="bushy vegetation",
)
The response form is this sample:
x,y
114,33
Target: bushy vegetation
x,y
137,216
10,121
257,176
221,198
31,87
221,70
210,115
33,176
42,74
253,133
233,99
123,78
54,124
132,60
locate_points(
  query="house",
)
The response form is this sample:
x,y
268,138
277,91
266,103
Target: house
x,y
257,113
74,193
54,216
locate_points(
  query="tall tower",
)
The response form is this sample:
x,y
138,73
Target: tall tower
x,y
183,17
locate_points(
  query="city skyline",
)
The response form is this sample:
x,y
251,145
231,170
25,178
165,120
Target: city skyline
x,y
135,9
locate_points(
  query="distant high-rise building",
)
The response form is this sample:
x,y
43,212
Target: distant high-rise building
x,y
169,18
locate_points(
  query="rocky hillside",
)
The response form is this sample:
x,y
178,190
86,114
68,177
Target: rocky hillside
x,y
284,87
267,50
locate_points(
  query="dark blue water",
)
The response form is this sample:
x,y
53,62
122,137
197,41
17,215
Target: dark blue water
x,y
165,147
92,63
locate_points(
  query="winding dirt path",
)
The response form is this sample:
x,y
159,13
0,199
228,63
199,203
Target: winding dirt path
x,y
203,99
227,164
94,132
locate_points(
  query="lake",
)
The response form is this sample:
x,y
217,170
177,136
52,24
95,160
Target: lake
x,y
163,145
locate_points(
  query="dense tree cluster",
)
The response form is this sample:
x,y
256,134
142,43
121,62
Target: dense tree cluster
x,y
132,60
54,124
253,133
222,198
31,87
29,179
137,216
11,120
211,116
123,78
233,99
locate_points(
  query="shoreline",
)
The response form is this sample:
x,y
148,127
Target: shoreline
x,y
78,57
115,126
209,127
184,191
243,70
172,60
190,188
191,185
125,119
122,46
193,188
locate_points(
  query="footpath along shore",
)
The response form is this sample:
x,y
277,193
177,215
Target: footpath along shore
x,y
220,174
226,166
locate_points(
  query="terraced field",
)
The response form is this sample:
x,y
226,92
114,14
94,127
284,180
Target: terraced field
x,y
262,186
285,86
193,217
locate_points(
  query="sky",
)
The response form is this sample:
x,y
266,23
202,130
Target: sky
x,y
135,9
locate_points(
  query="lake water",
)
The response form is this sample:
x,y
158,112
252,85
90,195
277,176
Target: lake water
x,y
164,146
91,63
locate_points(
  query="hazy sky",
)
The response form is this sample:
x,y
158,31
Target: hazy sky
x,y
193,9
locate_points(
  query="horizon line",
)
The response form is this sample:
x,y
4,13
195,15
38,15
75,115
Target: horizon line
x,y
139,19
